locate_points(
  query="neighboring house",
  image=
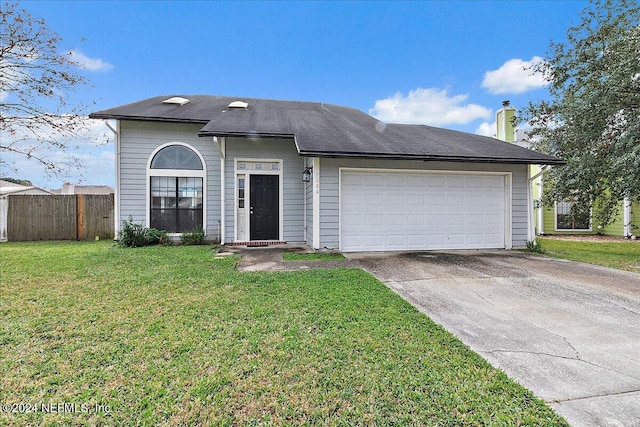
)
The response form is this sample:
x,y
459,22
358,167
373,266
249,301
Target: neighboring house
x,y
8,188
257,171
559,218
68,188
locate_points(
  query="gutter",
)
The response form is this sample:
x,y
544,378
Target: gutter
x,y
116,200
428,158
543,168
146,118
246,134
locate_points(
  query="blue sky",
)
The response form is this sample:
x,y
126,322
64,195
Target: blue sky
x,y
444,63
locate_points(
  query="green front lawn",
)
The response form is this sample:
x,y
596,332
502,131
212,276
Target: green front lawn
x,y
168,335
622,254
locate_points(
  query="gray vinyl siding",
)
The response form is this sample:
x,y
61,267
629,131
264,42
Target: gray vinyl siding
x,y
138,140
292,185
330,187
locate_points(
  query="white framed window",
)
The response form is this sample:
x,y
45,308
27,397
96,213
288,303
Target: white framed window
x,y
570,217
176,189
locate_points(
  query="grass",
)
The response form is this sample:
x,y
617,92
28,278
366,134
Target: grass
x,y
171,336
317,256
623,255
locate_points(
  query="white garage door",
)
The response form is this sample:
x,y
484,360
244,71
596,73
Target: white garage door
x,y
382,211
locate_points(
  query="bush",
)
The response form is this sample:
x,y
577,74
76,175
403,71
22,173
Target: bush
x,y
134,235
534,245
195,237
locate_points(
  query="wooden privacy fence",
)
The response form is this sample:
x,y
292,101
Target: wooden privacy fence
x,y
58,217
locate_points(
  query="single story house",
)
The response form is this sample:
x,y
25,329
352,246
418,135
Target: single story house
x,y
8,188
259,171
70,189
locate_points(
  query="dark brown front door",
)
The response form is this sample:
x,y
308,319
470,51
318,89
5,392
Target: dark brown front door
x,y
264,207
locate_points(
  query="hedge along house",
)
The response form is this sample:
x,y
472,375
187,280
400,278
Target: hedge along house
x,y
560,218
256,171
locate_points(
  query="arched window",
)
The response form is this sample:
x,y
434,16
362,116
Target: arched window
x,y
176,157
176,176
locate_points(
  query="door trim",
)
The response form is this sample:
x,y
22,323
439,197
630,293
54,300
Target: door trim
x,y
508,186
247,173
261,203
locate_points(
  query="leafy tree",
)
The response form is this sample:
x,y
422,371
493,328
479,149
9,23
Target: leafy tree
x,y
592,119
17,181
36,79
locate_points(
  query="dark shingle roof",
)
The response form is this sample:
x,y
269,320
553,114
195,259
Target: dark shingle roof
x,y
326,130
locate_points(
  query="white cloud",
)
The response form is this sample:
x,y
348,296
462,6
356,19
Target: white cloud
x,y
486,129
513,77
90,64
430,106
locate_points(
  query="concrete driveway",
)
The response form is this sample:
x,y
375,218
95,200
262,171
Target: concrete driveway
x,y
570,332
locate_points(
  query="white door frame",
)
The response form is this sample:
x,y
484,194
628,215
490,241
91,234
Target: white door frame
x,y
247,174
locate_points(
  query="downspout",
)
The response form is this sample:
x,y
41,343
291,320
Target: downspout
x,y
221,144
316,202
626,224
116,200
304,209
540,207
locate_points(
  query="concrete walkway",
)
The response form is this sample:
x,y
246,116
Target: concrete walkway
x,y
570,332
270,259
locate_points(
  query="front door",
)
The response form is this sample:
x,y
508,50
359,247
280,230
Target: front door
x,y
264,207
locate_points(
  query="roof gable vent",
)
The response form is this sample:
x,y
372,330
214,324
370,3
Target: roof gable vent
x,y
176,100
239,105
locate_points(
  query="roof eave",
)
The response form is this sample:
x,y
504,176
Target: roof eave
x,y
427,158
145,118
246,134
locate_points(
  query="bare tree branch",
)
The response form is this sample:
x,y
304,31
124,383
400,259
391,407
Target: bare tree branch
x,y
36,78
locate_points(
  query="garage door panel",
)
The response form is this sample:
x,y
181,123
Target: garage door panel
x,y
372,220
399,210
455,220
496,239
396,180
351,220
475,238
474,220
455,181
496,182
394,219
415,219
436,220
436,181
455,201
416,180
374,180
436,199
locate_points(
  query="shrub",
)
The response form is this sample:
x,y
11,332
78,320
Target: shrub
x,y
195,237
534,245
134,235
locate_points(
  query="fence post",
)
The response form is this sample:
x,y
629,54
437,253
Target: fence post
x,y
80,216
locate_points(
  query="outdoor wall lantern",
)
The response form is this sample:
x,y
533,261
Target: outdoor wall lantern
x,y
306,174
